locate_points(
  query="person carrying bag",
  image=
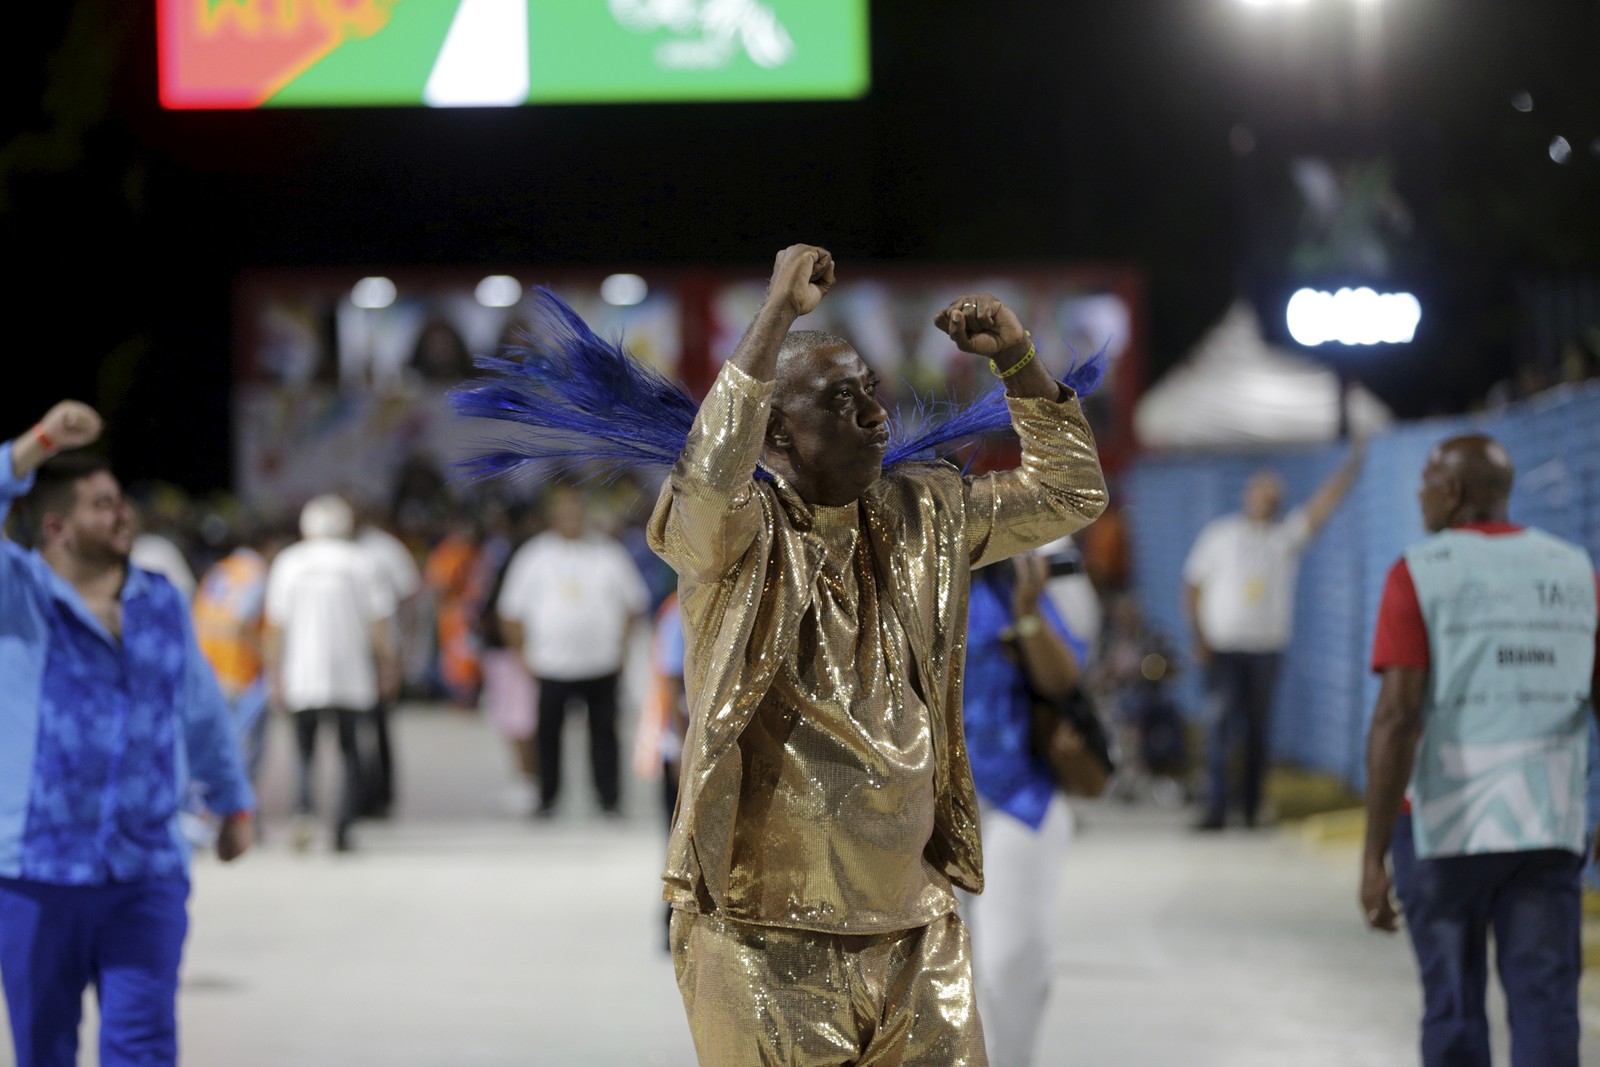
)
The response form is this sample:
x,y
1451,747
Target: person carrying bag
x,y
1033,742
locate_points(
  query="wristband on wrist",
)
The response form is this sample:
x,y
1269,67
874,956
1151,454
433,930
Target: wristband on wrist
x,y
239,816
1019,364
46,442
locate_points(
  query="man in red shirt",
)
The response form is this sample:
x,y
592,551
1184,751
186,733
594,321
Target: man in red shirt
x,y
1487,654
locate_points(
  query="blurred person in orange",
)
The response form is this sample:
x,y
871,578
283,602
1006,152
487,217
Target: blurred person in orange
x,y
327,651
229,613
452,573
108,713
827,808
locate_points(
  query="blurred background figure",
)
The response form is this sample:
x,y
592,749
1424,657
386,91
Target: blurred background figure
x,y
1132,679
229,613
1018,648
508,696
664,718
328,651
453,576
570,601
158,545
1238,596
440,355
397,567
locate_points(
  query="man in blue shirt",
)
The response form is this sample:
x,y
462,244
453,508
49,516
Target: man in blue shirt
x,y
1013,636
107,713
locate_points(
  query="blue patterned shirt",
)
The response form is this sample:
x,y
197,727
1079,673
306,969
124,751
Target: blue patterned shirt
x,y
100,738
995,708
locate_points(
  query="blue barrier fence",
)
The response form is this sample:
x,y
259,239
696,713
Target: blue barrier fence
x,y
1325,691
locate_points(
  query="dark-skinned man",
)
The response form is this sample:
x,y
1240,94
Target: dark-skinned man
x,y
1476,761
107,714
827,807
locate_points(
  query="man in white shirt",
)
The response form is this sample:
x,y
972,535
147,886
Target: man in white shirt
x,y
395,565
327,648
570,600
1239,582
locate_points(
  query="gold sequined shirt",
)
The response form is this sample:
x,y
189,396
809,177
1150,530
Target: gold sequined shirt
x,y
751,558
836,793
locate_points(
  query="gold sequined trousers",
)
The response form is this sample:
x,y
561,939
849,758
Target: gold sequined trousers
x,y
776,997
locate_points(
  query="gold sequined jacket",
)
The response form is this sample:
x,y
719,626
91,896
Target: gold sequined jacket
x,y
746,560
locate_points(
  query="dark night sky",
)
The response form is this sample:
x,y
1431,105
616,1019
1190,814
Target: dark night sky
x,y
1013,131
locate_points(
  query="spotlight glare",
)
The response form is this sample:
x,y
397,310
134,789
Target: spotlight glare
x,y
624,290
498,291
1353,317
1560,149
373,293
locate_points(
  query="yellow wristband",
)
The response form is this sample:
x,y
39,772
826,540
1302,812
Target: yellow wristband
x,y
1019,364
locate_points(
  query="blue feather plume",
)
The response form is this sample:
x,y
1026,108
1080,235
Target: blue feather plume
x,y
576,399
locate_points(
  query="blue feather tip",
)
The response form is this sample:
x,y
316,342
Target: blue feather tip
x,y
942,425
1085,376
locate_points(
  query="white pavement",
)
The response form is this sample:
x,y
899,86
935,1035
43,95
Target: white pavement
x,y
457,936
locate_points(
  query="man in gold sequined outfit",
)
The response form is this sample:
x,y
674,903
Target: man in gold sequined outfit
x,y
826,804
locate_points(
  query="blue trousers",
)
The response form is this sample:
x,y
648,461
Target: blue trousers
x,y
1239,687
1533,903
125,939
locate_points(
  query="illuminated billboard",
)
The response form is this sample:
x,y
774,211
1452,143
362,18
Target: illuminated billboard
x,y
230,54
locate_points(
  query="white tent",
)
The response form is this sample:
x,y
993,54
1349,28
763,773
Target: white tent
x,y
1236,389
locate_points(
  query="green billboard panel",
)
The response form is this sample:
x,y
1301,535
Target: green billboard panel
x,y
628,50
488,53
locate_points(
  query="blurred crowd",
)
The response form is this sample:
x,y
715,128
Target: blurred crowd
x,y
444,558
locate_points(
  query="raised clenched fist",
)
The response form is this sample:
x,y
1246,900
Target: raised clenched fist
x,y
71,424
801,277
981,324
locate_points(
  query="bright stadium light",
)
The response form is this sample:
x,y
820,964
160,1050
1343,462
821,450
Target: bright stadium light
x,y
1353,317
373,293
498,291
624,290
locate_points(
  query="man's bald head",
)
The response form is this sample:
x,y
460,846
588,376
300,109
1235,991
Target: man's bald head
x,y
798,354
1467,479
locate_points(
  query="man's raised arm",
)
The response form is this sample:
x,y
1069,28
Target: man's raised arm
x,y
1058,487
801,277
708,515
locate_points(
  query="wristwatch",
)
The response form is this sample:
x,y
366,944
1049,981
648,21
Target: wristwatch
x,y
1028,625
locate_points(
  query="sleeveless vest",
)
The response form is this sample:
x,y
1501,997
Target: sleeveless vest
x,y
1511,637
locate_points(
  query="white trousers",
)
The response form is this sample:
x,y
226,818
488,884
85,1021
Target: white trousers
x,y
1014,925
